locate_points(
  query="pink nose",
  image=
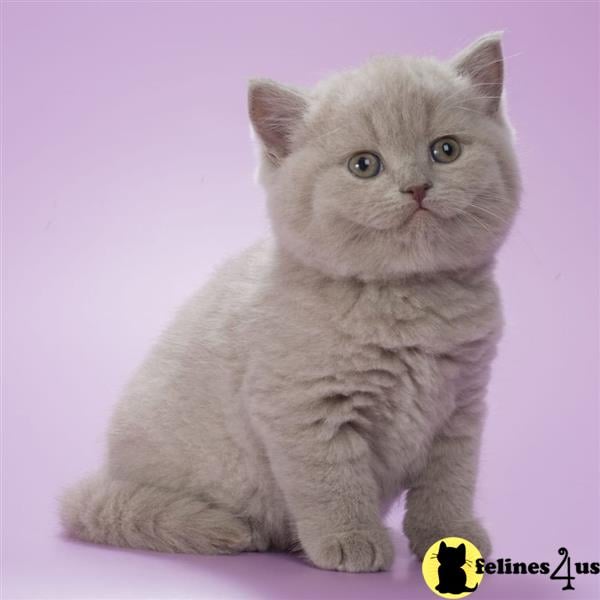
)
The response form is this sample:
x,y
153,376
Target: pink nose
x,y
418,192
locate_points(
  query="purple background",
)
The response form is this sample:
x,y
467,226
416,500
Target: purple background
x,y
129,176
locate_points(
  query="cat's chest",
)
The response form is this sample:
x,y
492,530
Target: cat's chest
x,y
435,318
397,399
404,394
406,350
396,349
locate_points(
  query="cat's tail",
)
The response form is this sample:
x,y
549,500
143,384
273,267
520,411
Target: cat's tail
x,y
123,513
468,589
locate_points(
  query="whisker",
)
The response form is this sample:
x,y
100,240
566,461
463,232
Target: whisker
x,y
479,112
489,212
468,98
478,221
521,236
495,61
465,90
482,97
330,132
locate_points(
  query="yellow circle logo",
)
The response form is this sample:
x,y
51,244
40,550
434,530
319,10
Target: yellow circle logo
x,y
449,568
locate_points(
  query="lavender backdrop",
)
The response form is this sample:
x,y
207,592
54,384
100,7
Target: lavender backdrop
x,y
128,175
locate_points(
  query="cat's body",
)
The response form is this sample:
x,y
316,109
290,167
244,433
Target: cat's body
x,y
295,396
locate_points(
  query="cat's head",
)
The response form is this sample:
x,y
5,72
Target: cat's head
x,y
402,166
450,556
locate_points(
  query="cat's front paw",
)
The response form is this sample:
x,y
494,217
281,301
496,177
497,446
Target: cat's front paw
x,y
360,550
421,534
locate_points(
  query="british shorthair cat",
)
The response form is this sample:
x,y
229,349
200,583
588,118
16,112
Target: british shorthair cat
x,y
344,359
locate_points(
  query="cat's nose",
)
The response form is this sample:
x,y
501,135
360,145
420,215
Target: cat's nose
x,y
418,191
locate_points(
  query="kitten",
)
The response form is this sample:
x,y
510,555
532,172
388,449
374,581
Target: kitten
x,y
344,360
453,579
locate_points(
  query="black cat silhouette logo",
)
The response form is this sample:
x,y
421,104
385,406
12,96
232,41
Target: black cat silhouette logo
x,y
449,568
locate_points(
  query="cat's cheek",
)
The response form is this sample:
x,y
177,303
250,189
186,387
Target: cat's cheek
x,y
332,205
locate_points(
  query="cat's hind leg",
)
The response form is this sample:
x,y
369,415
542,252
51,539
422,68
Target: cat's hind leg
x,y
123,513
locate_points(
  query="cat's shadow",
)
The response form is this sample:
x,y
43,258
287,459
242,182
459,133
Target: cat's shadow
x,y
277,576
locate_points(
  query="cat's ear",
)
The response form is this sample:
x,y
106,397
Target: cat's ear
x,y
483,64
462,550
442,546
276,111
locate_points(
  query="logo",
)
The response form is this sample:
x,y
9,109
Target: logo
x,y
449,568
562,572
453,568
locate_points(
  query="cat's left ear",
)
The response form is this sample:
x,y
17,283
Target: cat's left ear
x,y
276,111
462,550
483,64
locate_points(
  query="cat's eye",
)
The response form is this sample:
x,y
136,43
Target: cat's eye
x,y
365,164
445,150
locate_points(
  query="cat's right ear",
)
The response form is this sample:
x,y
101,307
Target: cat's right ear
x,y
276,111
442,546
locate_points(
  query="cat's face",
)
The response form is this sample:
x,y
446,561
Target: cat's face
x,y
403,166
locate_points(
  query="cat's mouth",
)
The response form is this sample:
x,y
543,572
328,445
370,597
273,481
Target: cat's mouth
x,y
418,213
398,221
419,217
